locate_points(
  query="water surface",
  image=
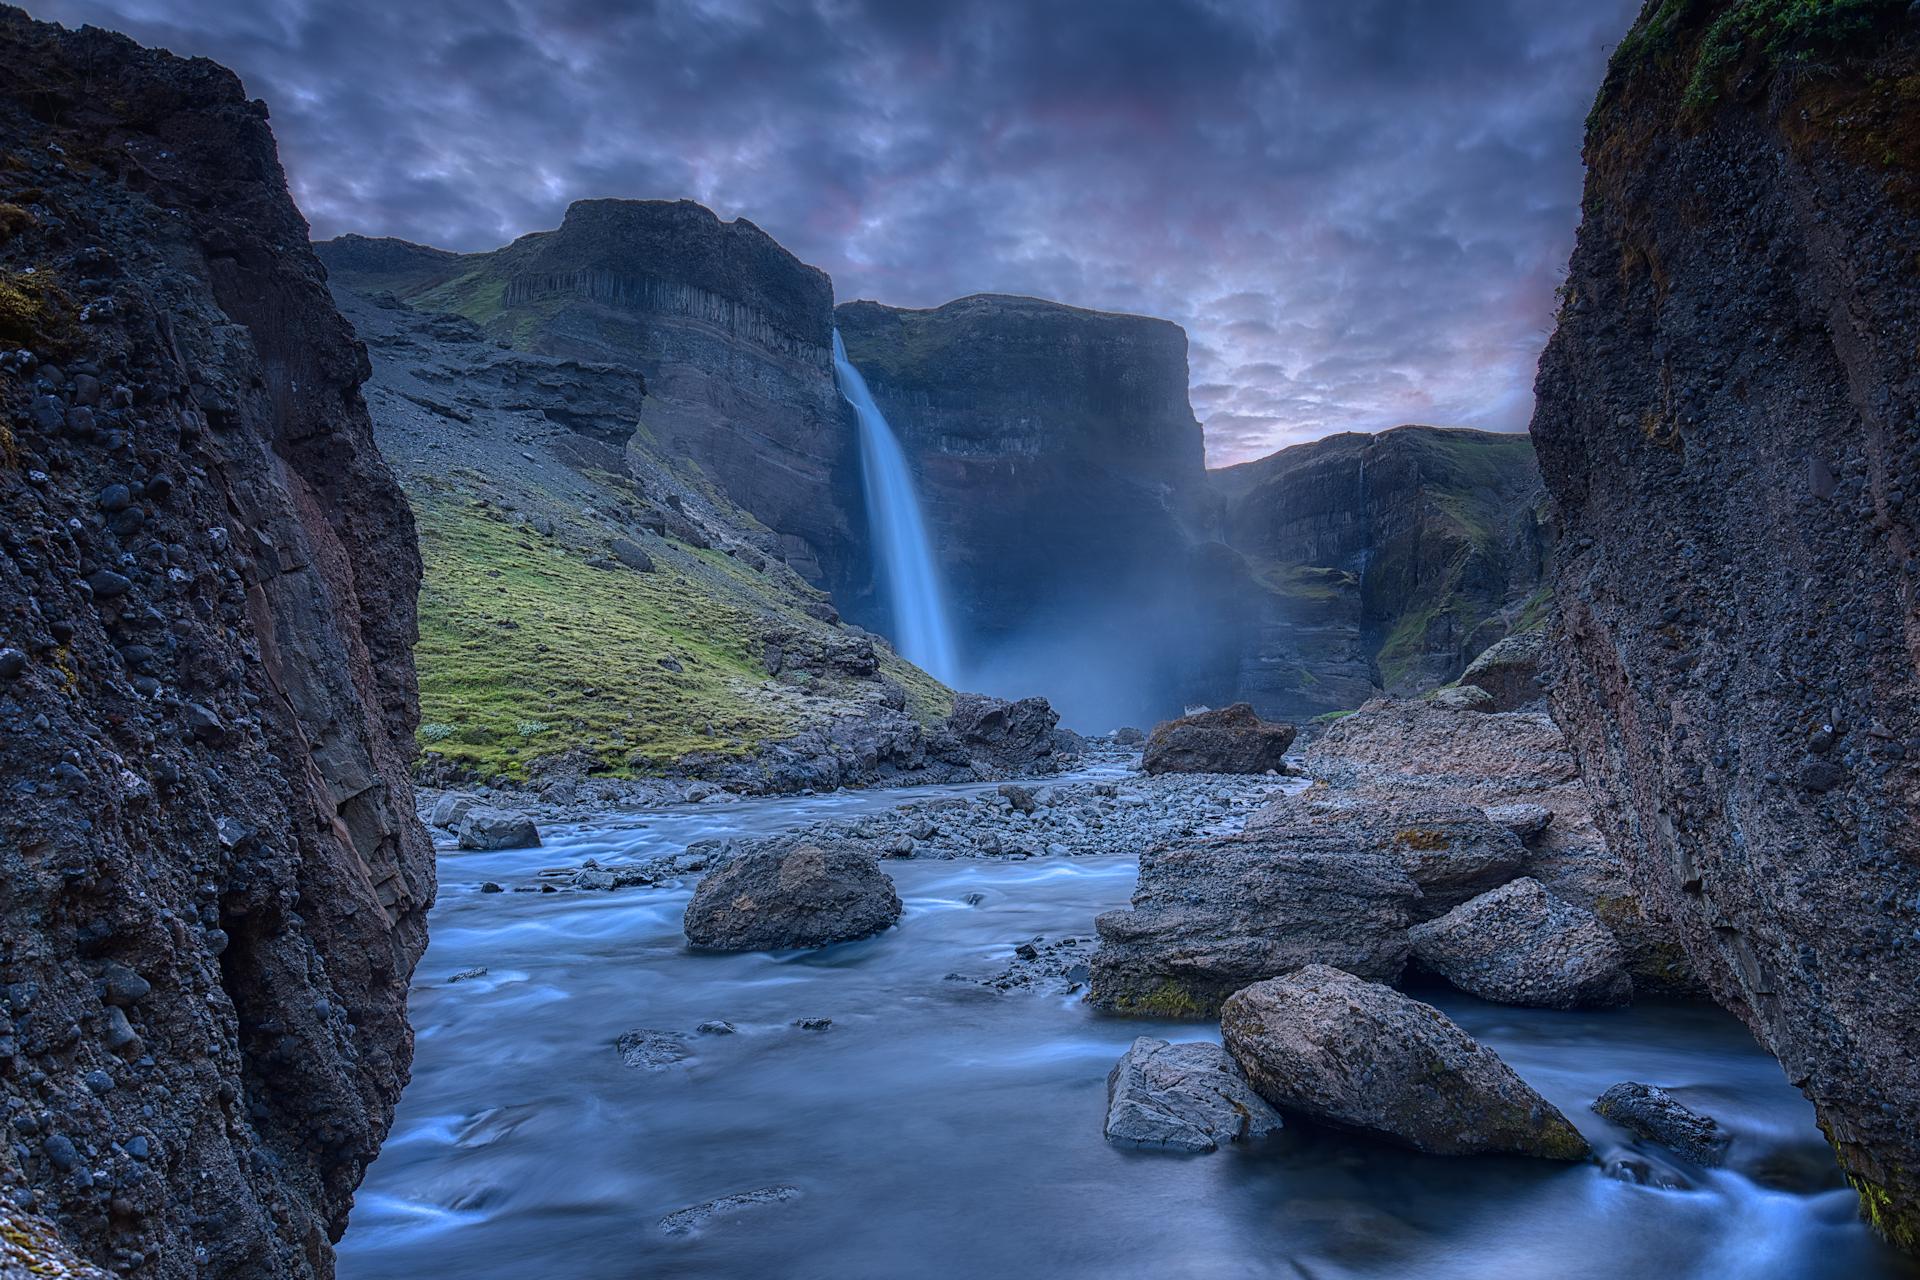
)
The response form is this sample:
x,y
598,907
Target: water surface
x,y
943,1129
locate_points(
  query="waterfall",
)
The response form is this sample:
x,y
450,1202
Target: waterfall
x,y
905,556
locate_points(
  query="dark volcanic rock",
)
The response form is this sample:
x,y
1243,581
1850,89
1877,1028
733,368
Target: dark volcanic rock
x,y
797,895
216,884
1379,561
1010,737
1658,1116
1211,916
1729,423
488,828
1521,945
1230,740
1326,1045
1183,1097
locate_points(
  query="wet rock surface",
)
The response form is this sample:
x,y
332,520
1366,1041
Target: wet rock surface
x,y
1728,421
1230,740
1656,1115
792,895
1521,945
1183,1097
217,887
1326,1045
485,828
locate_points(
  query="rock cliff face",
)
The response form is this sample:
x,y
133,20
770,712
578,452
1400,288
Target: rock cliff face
x,y
590,605
215,889
1060,468
732,333
1381,561
1729,424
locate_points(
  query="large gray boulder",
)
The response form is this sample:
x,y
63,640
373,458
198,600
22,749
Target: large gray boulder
x,y
793,895
1509,672
1211,916
1230,740
1323,1044
1453,852
486,828
1006,737
1522,945
1650,1112
1183,1097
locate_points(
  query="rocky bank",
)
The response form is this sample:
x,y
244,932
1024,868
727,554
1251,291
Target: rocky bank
x,y
216,889
1729,424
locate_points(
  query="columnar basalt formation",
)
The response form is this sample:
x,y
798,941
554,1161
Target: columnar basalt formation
x,y
1729,424
215,885
1382,561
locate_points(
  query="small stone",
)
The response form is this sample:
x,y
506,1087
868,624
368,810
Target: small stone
x,y
715,1027
813,1024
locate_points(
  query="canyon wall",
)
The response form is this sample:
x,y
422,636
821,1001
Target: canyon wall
x,y
1061,471
1729,423
214,885
732,333
1382,561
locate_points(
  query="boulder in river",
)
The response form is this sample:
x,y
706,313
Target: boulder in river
x,y
791,895
1522,945
1183,1097
1231,740
1323,1044
450,808
1210,916
486,828
1652,1113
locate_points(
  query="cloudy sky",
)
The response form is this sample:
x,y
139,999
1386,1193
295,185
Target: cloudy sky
x,y
1359,209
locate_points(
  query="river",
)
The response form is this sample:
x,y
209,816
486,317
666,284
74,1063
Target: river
x,y
941,1128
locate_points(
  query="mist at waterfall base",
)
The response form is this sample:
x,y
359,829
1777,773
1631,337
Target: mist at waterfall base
x,y
1108,631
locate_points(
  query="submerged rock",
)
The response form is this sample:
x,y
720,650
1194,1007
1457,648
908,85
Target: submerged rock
x,y
1323,1044
685,1221
1211,916
793,895
1230,740
485,828
1521,945
1184,1097
647,1050
1654,1114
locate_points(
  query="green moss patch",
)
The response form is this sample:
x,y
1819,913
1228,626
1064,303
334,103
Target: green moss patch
x,y
525,650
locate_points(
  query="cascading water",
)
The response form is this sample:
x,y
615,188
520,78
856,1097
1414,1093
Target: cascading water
x,y
910,580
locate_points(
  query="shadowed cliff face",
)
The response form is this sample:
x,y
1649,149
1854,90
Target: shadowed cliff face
x,y
1382,561
1061,471
1729,423
732,333
215,888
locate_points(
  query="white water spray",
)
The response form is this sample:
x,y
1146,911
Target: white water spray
x,y
909,578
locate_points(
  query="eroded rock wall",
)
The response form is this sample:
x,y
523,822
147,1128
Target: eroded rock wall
x,y
213,889
1729,423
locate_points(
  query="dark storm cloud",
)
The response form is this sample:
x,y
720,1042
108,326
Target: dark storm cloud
x,y
1359,210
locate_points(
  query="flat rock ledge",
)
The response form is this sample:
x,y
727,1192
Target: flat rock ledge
x,y
1521,945
1183,1097
1324,1045
797,895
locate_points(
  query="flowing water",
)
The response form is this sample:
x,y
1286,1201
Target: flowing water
x,y
943,1129
911,579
